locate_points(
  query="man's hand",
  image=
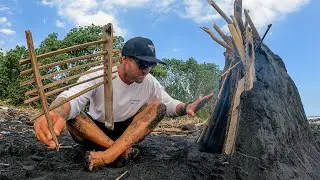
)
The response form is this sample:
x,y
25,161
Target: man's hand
x,y
192,108
42,131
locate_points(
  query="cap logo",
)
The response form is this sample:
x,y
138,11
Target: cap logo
x,y
151,48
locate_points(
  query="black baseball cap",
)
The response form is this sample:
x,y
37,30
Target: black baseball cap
x,y
142,49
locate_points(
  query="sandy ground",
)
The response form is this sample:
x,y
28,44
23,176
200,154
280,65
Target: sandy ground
x,y
170,155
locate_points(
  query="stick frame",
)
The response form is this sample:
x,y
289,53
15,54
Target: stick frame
x,y
40,93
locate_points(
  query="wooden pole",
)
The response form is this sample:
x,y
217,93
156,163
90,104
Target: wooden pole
x,y
237,41
50,54
44,102
107,35
222,35
67,99
204,131
215,6
235,22
250,22
215,38
229,143
238,14
63,62
61,89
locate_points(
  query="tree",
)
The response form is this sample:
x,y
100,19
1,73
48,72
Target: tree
x,y
10,74
189,80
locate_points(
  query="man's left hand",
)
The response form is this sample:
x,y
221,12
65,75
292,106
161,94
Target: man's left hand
x,y
192,108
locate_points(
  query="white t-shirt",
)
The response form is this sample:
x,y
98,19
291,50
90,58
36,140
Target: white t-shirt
x,y
127,99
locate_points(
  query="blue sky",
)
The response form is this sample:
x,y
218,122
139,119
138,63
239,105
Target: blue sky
x,y
173,25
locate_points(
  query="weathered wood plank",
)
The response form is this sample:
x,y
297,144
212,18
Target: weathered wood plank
x,y
107,35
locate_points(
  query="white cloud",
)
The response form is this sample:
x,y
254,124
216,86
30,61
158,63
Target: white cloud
x,y
87,12
262,12
7,31
4,8
99,12
60,24
127,3
48,2
165,6
3,20
266,12
200,11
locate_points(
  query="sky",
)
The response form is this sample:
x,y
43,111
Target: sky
x,y
174,28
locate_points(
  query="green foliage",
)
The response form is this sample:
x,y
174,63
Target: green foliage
x,y
189,80
9,72
183,80
9,62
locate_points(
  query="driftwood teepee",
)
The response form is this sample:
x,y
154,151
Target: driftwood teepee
x,y
238,77
258,119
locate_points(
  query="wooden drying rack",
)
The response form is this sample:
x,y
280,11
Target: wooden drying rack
x,y
40,91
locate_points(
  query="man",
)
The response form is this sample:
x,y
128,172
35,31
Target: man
x,y
133,87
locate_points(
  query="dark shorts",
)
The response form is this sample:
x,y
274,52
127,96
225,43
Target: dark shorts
x,y
119,128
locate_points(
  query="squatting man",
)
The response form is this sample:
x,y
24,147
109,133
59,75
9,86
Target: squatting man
x,y
133,87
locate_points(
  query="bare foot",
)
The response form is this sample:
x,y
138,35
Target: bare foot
x,y
94,159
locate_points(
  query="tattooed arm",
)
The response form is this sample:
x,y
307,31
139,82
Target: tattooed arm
x,y
63,110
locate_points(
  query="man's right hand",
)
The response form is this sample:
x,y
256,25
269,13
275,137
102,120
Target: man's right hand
x,y
42,130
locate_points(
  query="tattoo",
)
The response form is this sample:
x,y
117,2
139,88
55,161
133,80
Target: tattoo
x,y
183,110
62,110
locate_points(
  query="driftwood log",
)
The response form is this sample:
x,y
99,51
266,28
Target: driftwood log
x,y
258,115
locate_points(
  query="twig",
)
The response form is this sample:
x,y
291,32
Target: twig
x,y
118,178
269,26
66,147
207,30
3,164
230,68
215,6
224,37
254,30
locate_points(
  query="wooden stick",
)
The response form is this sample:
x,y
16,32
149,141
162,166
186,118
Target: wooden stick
x,y
44,102
4,164
118,178
114,69
107,34
238,14
237,41
72,48
230,68
223,44
64,80
83,66
265,34
92,64
215,6
229,143
29,71
61,89
254,30
68,99
250,76
203,133
222,35
235,22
